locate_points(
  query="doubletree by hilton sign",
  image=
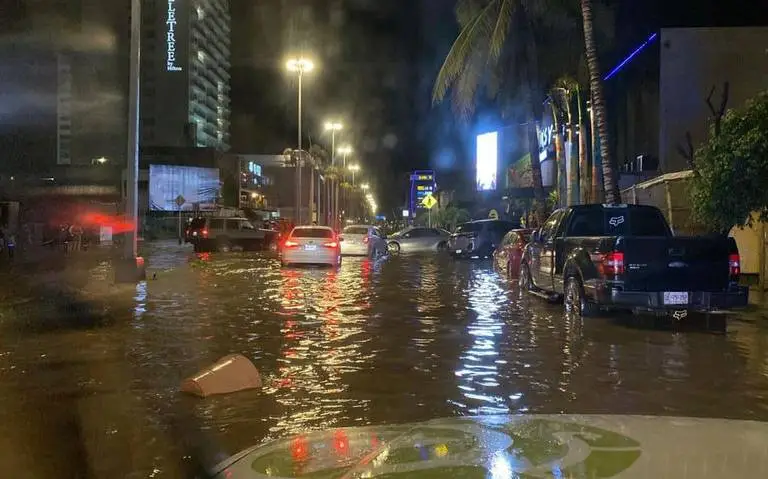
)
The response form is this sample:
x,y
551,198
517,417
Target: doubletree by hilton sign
x,y
170,39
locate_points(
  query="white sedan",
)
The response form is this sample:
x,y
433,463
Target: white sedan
x,y
311,245
363,240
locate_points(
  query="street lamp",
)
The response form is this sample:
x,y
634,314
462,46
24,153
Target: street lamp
x,y
345,150
333,127
354,169
299,66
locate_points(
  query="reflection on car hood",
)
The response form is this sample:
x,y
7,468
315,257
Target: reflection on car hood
x,y
508,446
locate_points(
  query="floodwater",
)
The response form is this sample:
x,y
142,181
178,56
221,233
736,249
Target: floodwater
x,y
89,372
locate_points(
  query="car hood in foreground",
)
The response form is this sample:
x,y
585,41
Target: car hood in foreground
x,y
510,446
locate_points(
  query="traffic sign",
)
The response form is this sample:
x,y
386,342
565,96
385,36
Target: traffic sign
x,y
180,201
493,214
429,201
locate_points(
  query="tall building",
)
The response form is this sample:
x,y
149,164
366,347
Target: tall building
x,y
185,73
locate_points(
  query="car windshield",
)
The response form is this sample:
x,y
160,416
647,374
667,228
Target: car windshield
x,y
312,233
356,230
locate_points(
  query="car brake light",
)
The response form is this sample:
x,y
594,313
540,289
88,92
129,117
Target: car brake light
x,y
734,265
290,244
331,244
366,240
612,264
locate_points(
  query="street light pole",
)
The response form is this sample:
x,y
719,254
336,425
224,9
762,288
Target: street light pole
x,y
132,169
334,126
299,66
298,157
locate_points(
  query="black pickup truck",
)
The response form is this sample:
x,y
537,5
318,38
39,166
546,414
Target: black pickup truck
x,y
626,257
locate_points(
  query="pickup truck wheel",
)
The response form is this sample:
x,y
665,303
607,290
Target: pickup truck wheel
x,y
524,282
575,301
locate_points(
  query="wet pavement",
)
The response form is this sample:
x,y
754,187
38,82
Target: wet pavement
x,y
89,371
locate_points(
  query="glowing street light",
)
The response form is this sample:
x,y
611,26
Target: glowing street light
x,y
354,169
365,186
299,66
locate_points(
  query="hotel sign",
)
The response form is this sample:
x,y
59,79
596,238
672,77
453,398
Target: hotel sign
x,y
171,59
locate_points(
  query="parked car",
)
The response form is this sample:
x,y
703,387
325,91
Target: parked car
x,y
479,238
311,245
363,240
418,239
230,233
509,253
626,257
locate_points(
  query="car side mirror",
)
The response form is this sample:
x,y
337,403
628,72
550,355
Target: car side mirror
x,y
536,236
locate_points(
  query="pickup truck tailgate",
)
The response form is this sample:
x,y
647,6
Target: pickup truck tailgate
x,y
675,263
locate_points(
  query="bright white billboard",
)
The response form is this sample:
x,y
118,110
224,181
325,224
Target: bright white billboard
x,y
196,185
487,161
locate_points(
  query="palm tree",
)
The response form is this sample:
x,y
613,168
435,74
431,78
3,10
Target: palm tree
x,y
610,183
485,30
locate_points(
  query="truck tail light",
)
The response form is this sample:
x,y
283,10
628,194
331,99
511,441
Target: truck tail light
x,y
734,266
290,244
612,264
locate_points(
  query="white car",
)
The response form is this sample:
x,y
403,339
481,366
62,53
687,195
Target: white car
x,y
363,240
311,245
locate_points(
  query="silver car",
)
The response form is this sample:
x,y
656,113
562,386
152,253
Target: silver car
x,y
418,239
363,240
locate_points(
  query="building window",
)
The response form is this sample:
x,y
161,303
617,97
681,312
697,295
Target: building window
x,y
201,55
200,13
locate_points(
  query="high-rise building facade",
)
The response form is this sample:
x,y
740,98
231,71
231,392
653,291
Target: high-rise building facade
x,y
185,73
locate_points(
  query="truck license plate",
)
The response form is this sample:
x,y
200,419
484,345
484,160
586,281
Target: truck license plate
x,y
310,247
675,297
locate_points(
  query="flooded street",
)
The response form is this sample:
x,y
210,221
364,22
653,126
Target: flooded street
x,y
89,376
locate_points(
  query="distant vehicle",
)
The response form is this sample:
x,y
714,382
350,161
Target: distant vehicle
x,y
479,238
509,253
311,245
626,257
363,240
194,229
226,234
418,239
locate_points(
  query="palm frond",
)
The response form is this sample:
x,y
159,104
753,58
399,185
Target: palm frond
x,y
501,29
456,61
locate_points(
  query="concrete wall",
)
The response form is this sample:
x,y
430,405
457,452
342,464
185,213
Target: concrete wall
x,y
693,60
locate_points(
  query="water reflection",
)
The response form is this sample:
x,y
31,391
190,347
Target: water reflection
x,y
479,370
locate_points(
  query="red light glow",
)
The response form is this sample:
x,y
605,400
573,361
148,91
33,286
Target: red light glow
x,y
341,442
118,224
300,449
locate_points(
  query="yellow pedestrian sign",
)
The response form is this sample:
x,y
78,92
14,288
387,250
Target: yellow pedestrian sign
x,y
428,201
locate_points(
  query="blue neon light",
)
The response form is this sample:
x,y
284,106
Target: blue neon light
x,y
631,56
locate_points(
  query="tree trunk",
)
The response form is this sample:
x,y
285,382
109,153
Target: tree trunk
x,y
560,170
583,167
612,194
533,111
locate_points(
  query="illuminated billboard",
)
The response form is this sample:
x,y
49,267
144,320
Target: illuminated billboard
x,y
487,161
198,186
